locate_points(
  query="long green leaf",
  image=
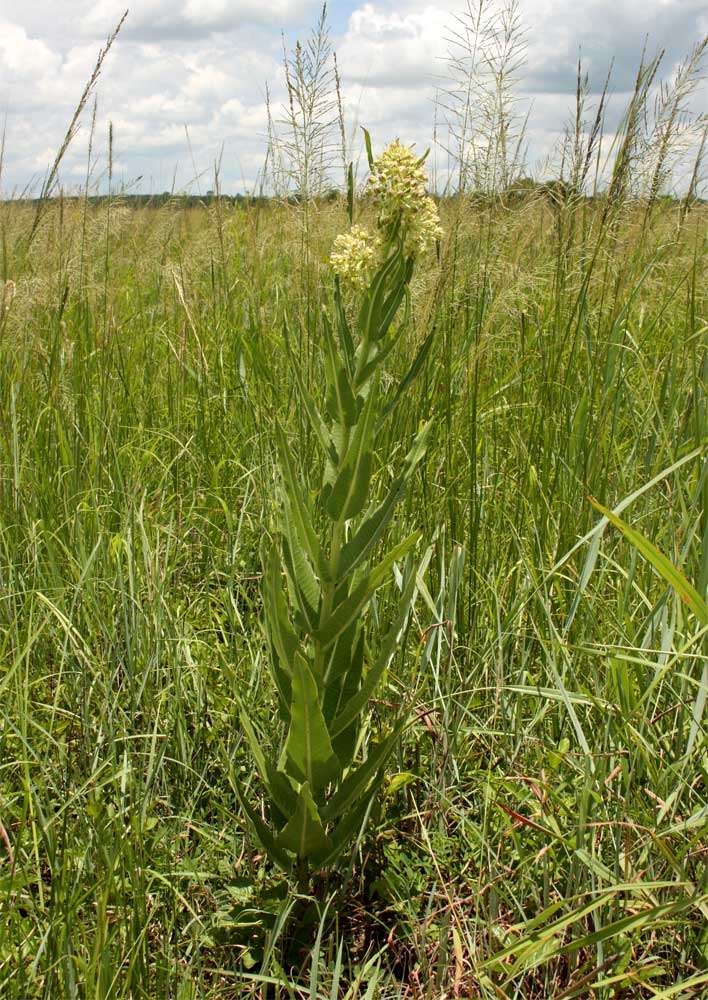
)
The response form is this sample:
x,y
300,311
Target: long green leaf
x,y
281,636
371,309
305,585
410,376
375,359
300,513
345,613
304,834
664,567
349,491
352,823
313,415
263,834
342,680
308,749
371,681
343,331
393,301
357,782
341,404
374,524
283,795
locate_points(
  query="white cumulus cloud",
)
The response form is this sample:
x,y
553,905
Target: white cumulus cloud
x,y
200,67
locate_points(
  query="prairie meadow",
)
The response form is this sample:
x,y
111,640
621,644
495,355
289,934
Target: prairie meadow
x,y
353,586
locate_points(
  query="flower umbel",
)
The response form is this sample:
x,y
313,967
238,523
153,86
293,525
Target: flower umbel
x,y
424,228
355,256
398,184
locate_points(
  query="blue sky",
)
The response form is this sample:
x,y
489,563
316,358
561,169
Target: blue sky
x,y
200,67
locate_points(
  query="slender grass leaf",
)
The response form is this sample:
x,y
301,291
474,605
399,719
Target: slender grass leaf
x,y
648,916
350,193
664,567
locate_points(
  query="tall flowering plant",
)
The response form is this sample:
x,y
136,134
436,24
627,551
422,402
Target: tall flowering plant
x,y
326,659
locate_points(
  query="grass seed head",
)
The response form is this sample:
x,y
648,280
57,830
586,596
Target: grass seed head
x,y
8,294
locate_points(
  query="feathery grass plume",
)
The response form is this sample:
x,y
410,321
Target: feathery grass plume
x,y
50,181
306,143
326,660
673,128
487,132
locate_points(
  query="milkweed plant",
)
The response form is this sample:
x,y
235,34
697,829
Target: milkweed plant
x,y
325,656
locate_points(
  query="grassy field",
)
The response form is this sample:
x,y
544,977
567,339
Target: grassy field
x,y
543,830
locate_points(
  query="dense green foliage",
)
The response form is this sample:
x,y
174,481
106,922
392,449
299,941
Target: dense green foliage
x,y
542,832
319,581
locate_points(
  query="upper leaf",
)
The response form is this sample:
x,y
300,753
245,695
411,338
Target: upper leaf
x,y
374,524
345,613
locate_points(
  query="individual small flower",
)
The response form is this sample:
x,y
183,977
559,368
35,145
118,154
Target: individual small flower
x,y
355,256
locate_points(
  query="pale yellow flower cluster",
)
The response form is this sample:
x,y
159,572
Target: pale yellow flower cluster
x,y
355,256
423,228
398,184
